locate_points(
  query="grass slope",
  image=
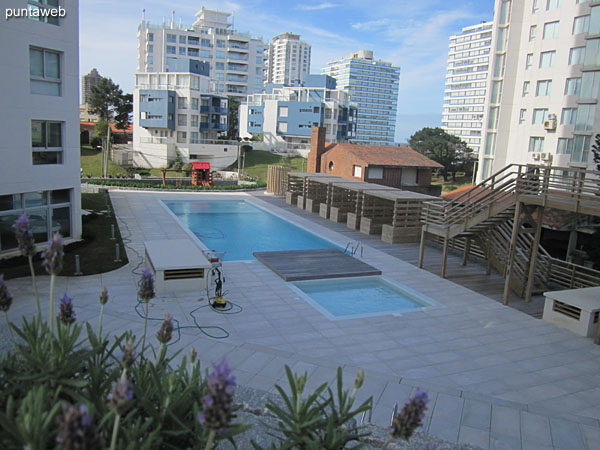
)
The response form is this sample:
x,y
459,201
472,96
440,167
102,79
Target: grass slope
x,y
257,162
91,163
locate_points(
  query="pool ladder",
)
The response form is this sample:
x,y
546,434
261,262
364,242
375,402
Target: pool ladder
x,y
353,246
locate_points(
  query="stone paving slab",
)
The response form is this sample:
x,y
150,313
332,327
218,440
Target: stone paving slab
x,y
471,356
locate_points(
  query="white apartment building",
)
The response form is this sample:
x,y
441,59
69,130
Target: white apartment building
x,y
39,107
288,60
543,103
373,86
285,115
466,83
180,113
236,59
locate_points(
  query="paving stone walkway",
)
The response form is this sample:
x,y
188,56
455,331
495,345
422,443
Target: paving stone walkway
x,y
497,378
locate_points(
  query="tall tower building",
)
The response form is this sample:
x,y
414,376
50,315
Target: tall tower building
x,y
288,59
466,83
373,86
236,59
39,148
87,83
542,105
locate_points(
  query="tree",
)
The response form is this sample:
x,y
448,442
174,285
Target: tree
x,y
448,150
101,128
108,101
596,151
232,118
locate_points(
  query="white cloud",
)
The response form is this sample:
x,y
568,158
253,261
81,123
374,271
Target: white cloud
x,y
317,7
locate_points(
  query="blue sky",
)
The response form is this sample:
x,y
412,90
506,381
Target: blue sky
x,y
412,34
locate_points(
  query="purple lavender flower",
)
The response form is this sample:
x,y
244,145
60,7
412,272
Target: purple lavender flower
x,y
5,297
121,395
128,355
24,236
146,292
76,430
53,256
217,405
104,296
67,315
409,419
166,330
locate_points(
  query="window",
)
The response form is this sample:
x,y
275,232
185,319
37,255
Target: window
x,y
553,4
522,115
572,86
205,54
181,137
44,72
532,32
220,76
194,121
576,55
376,173
581,24
182,39
259,60
547,59
581,149
283,111
585,118
590,84
544,88
565,146
357,171
195,103
181,120
220,43
182,51
182,102
529,60
550,30
536,6
536,144
44,5
171,38
150,59
194,137
46,142
205,43
220,65
539,116
592,53
567,116
171,49
526,88
150,37
220,54
282,127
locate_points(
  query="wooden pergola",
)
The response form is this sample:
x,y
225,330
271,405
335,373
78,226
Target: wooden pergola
x,y
354,217
395,214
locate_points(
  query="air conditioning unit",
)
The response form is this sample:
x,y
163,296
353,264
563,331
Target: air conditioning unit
x,y
535,156
550,124
546,156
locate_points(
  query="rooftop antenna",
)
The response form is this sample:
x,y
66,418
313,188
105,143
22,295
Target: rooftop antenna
x,y
233,20
180,22
164,21
172,18
143,14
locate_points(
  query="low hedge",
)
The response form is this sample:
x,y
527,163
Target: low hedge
x,y
142,185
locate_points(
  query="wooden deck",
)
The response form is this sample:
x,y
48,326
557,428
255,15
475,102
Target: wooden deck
x,y
296,265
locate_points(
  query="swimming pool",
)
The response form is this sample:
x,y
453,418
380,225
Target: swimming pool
x,y
240,228
351,298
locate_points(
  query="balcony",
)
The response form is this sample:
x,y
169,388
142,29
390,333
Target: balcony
x,y
237,57
237,68
237,46
213,126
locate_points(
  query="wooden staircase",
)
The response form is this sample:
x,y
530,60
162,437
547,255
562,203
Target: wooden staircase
x,y
502,217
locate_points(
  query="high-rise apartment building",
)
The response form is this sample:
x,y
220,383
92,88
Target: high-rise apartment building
x,y
542,105
39,148
236,59
87,83
288,60
373,86
284,116
466,83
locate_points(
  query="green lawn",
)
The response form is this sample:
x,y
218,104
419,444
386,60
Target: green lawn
x,y
91,163
257,162
96,251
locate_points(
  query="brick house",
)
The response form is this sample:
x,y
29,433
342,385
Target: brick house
x,y
400,167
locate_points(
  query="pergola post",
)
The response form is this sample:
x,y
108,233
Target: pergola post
x,y
445,256
422,247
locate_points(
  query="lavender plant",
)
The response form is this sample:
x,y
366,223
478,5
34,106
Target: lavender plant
x,y
146,293
103,301
26,244
53,261
5,302
406,422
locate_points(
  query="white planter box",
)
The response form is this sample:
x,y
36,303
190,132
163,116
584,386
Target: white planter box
x,y
577,310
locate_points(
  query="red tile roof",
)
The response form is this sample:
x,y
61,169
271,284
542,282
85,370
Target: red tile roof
x,y
388,156
113,128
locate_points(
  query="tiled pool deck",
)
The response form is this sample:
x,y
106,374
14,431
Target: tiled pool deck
x,y
498,378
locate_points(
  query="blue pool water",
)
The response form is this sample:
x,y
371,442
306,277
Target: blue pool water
x,y
345,298
240,228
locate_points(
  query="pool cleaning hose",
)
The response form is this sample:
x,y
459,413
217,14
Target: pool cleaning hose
x,y
211,331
